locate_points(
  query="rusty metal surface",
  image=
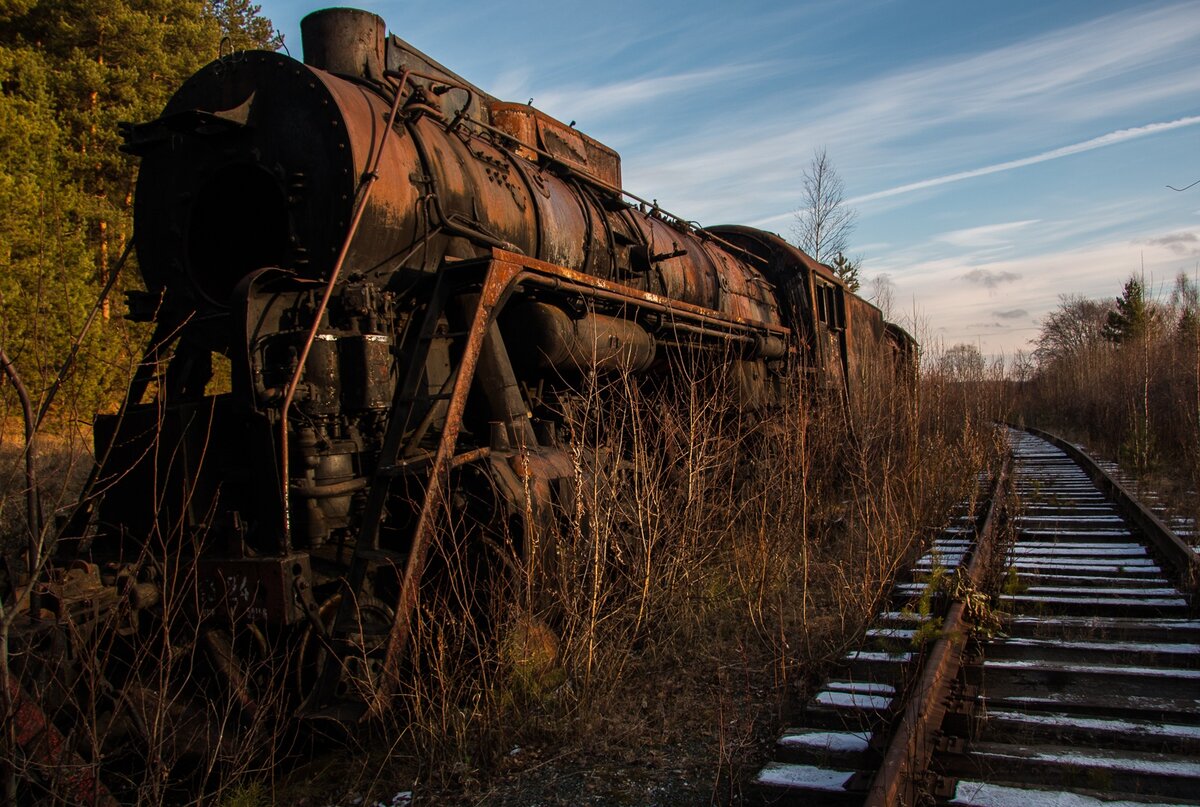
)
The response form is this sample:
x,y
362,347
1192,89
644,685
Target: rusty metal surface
x,y
346,41
497,283
536,130
253,589
554,276
591,340
449,191
363,195
47,750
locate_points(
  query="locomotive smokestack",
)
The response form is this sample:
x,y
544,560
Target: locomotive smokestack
x,y
347,41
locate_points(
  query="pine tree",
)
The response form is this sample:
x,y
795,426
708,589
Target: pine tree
x,y
1131,319
847,271
243,24
70,71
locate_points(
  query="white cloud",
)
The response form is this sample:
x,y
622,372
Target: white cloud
x,y
1095,270
595,102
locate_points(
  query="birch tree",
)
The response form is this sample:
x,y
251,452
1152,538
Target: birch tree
x,y
824,223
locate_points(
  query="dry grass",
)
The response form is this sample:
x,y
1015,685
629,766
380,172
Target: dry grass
x,y
709,562
710,565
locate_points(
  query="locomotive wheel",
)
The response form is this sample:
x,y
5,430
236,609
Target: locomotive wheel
x,y
359,655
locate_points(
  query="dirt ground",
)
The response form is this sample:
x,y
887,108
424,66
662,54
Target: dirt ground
x,y
689,728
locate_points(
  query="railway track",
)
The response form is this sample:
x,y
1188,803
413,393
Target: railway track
x,y
1088,694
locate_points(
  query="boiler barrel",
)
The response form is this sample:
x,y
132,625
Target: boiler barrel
x,y
257,161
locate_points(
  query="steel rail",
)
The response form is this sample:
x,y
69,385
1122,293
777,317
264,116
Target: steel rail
x,y
1173,548
899,778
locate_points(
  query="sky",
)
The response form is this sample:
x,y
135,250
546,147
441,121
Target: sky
x,y
999,155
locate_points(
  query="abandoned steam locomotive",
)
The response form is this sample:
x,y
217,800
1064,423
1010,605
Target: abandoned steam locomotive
x,y
404,277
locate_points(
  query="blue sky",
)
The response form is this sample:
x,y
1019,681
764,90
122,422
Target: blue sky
x,y
998,154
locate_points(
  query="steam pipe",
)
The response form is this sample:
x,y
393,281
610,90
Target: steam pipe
x,y
368,183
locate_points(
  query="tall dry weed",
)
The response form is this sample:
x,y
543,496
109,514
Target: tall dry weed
x,y
700,535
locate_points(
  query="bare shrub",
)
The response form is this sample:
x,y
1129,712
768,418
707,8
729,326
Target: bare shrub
x,y
701,536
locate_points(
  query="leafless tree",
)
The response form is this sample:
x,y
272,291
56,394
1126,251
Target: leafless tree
x,y
1077,324
962,362
883,293
824,223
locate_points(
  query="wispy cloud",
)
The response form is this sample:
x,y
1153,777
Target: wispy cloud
x,y
584,102
948,111
1110,139
1011,313
988,235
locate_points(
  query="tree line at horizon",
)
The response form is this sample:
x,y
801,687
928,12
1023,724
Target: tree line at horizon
x,y
1124,374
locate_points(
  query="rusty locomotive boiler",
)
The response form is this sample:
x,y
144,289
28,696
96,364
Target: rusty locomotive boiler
x,y
404,275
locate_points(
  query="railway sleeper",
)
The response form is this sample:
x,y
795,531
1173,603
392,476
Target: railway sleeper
x,y
1093,605
1164,654
875,666
1002,678
1104,628
839,750
1059,728
784,784
1147,707
1108,771
843,705
971,793
1046,578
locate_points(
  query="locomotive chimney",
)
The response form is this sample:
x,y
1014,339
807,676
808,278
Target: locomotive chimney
x,y
346,41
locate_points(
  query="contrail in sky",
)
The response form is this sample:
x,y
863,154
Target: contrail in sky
x,y
1119,136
